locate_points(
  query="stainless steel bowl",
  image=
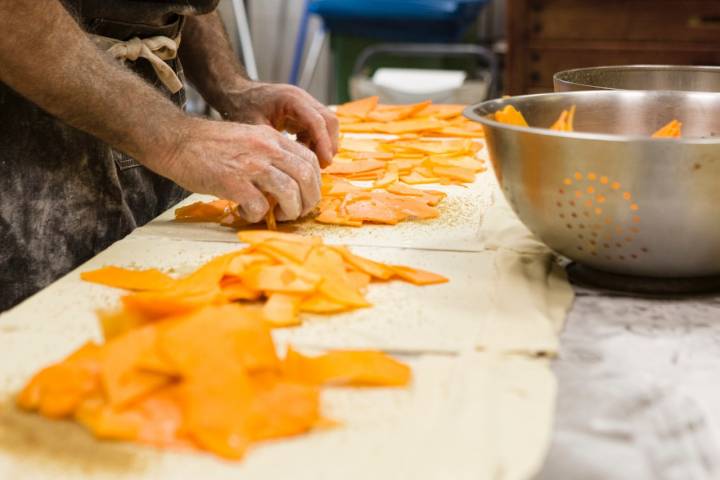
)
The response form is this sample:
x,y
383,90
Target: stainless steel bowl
x,y
608,195
640,77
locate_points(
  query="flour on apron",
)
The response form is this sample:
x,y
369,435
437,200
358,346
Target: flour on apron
x,y
65,195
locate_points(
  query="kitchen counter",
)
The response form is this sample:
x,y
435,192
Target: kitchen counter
x,y
482,398
637,378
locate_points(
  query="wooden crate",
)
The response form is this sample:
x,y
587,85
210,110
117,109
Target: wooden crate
x,y
547,36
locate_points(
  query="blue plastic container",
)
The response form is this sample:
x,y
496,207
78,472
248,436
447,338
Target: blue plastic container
x,y
439,21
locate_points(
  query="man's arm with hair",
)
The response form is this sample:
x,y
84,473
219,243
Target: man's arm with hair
x,y
46,57
212,67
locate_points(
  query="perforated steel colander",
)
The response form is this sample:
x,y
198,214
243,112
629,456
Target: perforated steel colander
x,y
609,196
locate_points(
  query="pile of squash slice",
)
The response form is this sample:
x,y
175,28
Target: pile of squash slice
x,y
411,155
346,203
190,363
210,379
343,203
431,120
408,159
283,273
565,122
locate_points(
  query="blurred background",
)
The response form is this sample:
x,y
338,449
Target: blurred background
x,y
460,51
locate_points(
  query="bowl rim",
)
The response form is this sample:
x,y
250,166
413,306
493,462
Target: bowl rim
x,y
470,113
561,76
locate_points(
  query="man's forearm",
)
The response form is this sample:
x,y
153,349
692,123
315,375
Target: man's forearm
x,y
210,63
46,57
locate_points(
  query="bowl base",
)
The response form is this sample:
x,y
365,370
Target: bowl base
x,y
585,276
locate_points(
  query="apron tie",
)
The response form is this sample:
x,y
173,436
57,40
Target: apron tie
x,y
153,49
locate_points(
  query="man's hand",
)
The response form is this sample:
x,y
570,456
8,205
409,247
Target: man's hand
x,y
243,163
289,108
215,71
86,89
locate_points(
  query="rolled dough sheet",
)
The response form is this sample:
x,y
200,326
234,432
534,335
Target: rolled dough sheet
x,y
478,416
501,229
530,294
494,300
455,229
468,414
530,298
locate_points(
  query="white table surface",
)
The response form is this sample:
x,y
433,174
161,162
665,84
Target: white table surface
x,y
468,414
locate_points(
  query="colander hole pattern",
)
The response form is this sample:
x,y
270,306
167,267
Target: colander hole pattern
x,y
584,201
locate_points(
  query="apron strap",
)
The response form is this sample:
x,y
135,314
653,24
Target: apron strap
x,y
153,49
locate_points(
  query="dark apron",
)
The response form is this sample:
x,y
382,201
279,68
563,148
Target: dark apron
x,y
65,195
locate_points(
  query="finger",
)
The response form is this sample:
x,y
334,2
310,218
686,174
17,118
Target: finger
x,y
306,97
300,150
284,189
252,204
308,119
333,127
307,179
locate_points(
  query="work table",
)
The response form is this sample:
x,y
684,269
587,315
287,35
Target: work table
x,y
637,392
638,389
